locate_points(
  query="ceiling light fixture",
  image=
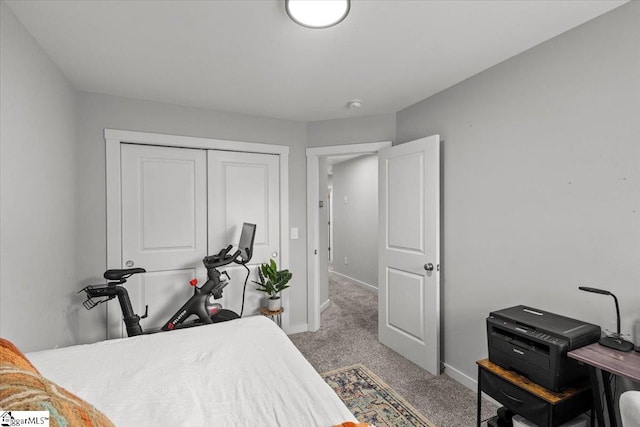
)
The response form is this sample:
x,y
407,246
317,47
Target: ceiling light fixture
x,y
317,13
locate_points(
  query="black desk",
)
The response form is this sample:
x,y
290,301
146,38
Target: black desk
x,y
610,362
532,401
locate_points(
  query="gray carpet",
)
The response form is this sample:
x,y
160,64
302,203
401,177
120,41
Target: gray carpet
x,y
349,335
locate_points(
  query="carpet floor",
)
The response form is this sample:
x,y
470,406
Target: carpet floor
x,y
348,335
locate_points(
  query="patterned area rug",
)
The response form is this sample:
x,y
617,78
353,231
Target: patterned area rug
x,y
371,400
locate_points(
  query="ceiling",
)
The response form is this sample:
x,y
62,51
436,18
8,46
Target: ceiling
x,y
248,57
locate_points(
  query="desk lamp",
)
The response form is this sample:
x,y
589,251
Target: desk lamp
x,y
614,341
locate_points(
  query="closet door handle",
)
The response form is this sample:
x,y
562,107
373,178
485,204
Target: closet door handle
x,y
428,267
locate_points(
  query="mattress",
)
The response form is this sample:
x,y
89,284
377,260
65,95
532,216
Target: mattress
x,y
245,372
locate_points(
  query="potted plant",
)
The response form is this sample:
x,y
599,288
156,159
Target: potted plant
x,y
272,282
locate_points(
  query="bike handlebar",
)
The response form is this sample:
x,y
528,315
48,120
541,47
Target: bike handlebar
x,y
222,258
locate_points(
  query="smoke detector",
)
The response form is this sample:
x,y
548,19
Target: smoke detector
x,y
354,103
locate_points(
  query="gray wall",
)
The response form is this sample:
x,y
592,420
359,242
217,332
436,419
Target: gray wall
x,y
97,112
541,182
38,162
351,131
355,220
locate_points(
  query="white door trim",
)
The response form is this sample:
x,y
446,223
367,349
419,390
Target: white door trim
x,y
115,137
313,225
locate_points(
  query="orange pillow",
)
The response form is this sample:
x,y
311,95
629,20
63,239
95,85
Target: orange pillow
x,y
22,388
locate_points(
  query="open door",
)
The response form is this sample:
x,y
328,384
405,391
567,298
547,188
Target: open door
x,y
409,251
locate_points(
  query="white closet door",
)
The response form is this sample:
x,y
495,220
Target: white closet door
x,y
164,228
163,207
244,187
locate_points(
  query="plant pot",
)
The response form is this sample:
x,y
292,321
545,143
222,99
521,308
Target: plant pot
x,y
273,304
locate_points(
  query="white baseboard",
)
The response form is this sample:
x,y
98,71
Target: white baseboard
x,y
460,377
297,328
325,305
358,282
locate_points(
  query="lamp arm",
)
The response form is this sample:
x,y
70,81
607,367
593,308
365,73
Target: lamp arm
x,y
617,311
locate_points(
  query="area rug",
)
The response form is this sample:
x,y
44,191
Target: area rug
x,y
371,400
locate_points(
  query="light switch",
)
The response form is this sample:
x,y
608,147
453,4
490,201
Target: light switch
x,y
294,233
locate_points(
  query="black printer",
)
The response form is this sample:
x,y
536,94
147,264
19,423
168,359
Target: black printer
x,y
534,343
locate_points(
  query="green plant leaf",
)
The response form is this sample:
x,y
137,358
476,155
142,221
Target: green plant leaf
x,y
272,281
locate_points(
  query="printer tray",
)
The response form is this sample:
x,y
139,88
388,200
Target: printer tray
x,y
532,407
555,381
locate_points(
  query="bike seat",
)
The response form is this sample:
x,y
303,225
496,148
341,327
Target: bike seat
x,y
122,274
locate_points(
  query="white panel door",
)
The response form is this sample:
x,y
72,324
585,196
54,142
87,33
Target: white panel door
x,y
164,228
164,202
409,251
244,187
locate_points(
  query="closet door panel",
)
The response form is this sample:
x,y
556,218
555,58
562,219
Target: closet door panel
x,y
181,204
244,187
164,229
164,202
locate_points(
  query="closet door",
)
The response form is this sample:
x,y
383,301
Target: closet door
x,y
244,187
164,229
179,205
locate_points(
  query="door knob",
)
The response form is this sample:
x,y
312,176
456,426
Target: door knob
x,y
274,254
428,267
129,263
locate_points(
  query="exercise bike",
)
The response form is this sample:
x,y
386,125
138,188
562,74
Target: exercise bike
x,y
201,304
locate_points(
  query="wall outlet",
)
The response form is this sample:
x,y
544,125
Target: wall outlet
x,y
346,260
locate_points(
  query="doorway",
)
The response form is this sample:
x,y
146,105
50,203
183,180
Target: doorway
x,y
409,300
355,219
315,266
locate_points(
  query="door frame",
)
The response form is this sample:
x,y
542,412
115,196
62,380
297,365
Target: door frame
x,y
115,137
313,218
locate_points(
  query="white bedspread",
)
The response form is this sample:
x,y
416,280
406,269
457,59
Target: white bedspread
x,y
244,372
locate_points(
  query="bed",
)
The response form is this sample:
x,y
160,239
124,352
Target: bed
x,y
245,372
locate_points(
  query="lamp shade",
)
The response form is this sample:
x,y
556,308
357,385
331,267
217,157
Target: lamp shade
x,y
317,13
